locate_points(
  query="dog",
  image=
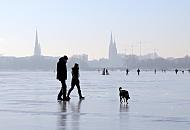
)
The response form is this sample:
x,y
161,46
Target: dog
x,y
124,95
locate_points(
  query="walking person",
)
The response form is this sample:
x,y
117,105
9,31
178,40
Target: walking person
x,y
176,71
154,71
62,77
127,71
138,71
75,81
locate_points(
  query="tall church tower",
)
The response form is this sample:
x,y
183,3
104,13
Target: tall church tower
x,y
112,50
37,48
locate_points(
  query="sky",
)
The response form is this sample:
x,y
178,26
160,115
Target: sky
x,y
83,27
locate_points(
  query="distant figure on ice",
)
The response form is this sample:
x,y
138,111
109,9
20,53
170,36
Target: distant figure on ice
x,y
62,76
105,72
182,71
127,71
138,71
155,71
75,81
164,71
189,70
176,71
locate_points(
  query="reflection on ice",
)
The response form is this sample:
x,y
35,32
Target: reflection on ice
x,y
124,107
63,117
161,101
72,120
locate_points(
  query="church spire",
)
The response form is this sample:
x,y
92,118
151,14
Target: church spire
x,y
37,48
112,49
111,39
36,41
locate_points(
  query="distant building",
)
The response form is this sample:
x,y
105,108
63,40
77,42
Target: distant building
x,y
112,50
82,60
115,60
82,57
37,48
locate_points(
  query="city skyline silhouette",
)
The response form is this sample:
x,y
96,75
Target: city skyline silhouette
x,y
83,27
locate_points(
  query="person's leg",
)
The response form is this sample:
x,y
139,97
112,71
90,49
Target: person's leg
x,y
60,94
64,89
72,87
79,90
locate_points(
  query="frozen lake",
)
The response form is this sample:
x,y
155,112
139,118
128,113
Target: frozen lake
x,y
158,102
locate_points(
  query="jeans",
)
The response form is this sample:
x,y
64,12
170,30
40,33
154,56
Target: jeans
x,y
63,90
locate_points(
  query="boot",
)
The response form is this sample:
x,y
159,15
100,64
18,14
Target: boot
x,y
69,92
80,95
81,98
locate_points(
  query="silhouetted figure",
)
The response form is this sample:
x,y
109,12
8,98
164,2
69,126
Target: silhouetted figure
x,y
154,71
75,81
189,70
62,77
176,71
105,72
182,71
138,71
127,71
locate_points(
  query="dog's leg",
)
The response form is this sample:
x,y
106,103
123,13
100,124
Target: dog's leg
x,y
125,100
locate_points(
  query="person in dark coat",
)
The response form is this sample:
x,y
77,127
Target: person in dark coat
x,y
154,71
127,71
75,81
138,71
62,77
176,71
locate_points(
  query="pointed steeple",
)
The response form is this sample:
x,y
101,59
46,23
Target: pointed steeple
x,y
114,42
37,49
36,40
114,47
111,39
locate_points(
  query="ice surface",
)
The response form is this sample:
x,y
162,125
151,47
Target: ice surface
x,y
158,102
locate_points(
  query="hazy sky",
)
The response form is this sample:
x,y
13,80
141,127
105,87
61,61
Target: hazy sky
x,y
84,26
